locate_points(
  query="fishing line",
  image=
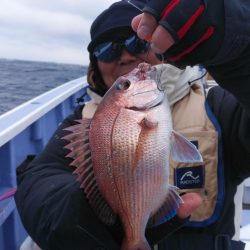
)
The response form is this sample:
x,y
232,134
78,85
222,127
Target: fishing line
x,y
133,4
160,86
147,55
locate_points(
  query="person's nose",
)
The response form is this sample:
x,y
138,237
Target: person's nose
x,y
126,58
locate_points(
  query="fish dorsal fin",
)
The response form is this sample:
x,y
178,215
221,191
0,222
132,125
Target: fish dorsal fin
x,y
182,150
168,209
79,142
80,152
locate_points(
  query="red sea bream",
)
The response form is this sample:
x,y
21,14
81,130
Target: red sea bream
x,y
122,156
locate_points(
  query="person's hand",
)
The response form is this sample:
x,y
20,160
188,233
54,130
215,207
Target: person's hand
x,y
148,29
179,28
191,202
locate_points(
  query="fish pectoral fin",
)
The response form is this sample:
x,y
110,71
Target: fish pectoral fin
x,y
182,150
79,147
169,208
148,122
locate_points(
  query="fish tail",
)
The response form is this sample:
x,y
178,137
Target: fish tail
x,y
139,245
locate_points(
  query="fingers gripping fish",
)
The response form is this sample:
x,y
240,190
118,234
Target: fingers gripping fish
x,y
122,156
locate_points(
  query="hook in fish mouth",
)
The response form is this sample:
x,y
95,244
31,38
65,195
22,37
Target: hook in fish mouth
x,y
156,75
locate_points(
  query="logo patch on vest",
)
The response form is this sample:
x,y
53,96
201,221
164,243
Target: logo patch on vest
x,y
189,177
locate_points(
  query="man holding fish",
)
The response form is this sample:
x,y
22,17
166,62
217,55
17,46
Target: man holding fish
x,y
133,168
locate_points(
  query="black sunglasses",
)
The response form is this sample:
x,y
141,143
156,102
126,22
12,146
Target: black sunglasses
x,y
109,51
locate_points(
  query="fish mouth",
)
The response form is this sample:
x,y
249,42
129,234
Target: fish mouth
x,y
149,105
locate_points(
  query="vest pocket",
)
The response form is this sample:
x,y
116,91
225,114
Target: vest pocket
x,y
201,178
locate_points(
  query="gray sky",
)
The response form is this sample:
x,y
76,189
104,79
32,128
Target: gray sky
x,y
48,30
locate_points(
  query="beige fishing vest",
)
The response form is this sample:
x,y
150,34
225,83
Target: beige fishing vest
x,y
191,120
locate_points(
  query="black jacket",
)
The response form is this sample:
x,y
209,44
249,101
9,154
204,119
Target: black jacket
x,y
53,208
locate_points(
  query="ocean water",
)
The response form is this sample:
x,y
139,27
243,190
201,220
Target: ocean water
x,y
21,81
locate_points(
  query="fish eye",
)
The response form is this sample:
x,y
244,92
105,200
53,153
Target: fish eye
x,y
123,84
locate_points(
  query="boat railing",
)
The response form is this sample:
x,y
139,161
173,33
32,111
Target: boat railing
x,y
24,131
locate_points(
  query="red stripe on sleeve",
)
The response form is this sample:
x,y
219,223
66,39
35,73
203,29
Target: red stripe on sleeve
x,y
206,36
168,9
184,29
